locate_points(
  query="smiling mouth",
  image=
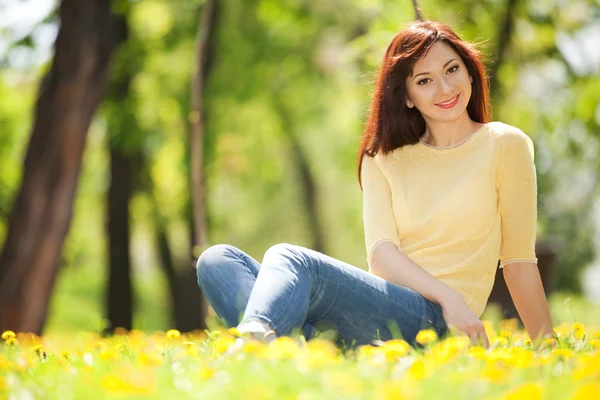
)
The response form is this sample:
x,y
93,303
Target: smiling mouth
x,y
450,103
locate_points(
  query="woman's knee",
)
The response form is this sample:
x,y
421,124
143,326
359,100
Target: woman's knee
x,y
286,251
212,258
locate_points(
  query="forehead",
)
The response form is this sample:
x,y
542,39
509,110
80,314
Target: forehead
x,y
438,55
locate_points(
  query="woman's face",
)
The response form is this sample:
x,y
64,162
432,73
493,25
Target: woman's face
x,y
440,85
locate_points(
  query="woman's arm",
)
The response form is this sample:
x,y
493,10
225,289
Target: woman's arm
x,y
391,264
525,287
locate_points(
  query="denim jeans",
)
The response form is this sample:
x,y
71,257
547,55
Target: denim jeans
x,y
296,289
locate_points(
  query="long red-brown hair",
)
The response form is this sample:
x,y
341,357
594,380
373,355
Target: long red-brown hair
x,y
390,123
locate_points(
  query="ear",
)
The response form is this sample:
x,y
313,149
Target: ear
x,y
471,78
409,103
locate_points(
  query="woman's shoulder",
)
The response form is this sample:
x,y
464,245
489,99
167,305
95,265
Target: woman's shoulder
x,y
509,137
506,132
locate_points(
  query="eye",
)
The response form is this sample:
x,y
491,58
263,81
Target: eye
x,y
423,81
453,69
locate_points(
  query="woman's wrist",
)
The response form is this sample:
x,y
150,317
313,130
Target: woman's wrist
x,y
447,296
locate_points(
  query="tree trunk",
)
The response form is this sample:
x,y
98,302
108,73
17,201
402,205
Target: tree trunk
x,y
197,124
190,302
120,292
121,124
69,96
504,37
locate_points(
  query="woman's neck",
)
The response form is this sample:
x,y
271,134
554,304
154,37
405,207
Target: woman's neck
x,y
444,134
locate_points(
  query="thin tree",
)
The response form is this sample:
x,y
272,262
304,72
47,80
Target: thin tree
x,y
41,215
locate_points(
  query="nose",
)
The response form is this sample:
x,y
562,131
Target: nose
x,y
445,86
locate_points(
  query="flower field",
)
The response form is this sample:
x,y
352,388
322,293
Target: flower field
x,y
171,365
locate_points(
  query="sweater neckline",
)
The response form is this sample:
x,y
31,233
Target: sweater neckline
x,y
456,145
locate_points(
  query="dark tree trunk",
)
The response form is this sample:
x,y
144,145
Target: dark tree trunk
x,y
119,297
189,301
40,219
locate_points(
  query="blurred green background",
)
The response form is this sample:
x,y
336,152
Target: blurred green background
x,y
287,90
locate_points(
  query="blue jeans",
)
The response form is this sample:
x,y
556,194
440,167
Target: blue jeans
x,y
298,288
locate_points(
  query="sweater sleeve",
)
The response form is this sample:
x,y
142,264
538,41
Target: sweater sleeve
x,y
517,198
378,217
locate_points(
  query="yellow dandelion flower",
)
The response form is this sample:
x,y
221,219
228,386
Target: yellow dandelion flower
x,y
253,347
477,352
527,391
37,349
282,347
99,345
222,344
494,372
207,372
11,341
562,353
577,326
234,332
150,358
8,334
417,370
549,342
395,390
499,341
107,354
595,343
589,391
173,334
426,336
587,366
394,349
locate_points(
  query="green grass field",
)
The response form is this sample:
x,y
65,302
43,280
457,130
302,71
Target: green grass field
x,y
73,362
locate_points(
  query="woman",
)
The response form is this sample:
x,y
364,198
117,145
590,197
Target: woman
x,y
446,194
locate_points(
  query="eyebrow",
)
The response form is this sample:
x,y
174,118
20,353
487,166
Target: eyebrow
x,y
425,73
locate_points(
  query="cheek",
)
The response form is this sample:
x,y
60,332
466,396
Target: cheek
x,y
423,95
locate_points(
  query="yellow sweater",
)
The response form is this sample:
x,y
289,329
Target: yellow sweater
x,y
457,210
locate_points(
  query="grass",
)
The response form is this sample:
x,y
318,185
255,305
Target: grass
x,y
73,362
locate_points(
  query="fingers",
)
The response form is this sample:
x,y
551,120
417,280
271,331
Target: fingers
x,y
484,339
478,336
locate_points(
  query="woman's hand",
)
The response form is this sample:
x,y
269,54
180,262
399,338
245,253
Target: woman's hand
x,y
458,315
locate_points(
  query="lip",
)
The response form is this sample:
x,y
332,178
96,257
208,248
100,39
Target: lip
x,y
449,105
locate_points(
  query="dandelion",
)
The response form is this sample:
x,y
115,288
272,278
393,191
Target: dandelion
x,y
11,341
234,332
282,347
426,336
394,349
549,342
589,391
578,330
173,334
37,349
527,391
8,335
206,372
